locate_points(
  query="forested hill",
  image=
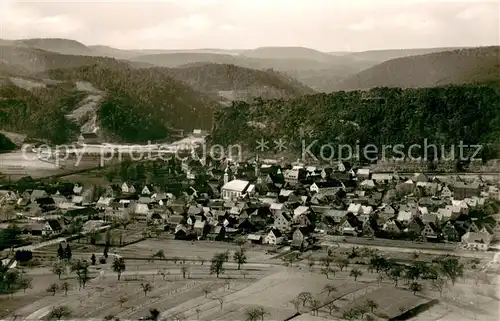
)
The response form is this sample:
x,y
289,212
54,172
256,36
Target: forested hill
x,y
132,105
143,104
461,66
246,81
443,115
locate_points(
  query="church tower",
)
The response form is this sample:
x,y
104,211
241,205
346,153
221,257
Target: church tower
x,y
226,176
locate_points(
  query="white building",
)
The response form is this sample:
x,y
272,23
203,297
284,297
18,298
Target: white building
x,y
235,189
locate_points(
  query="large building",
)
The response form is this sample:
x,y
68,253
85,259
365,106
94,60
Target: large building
x,y
236,188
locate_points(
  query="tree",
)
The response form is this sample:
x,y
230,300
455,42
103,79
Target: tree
x,y
372,305
65,287
240,258
60,252
251,315
331,307
58,313
304,297
395,273
67,253
217,266
154,314
221,302
362,310
160,254
355,273
122,300
342,263
311,262
109,317
296,304
415,287
256,314
25,283
326,261
329,288
225,255
207,289
326,272
93,259
105,251
198,310
240,241
439,283
82,272
146,287
58,269
350,314
52,288
452,268
315,306
119,266
380,279
184,271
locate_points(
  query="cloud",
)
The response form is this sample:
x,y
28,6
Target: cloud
x,y
321,24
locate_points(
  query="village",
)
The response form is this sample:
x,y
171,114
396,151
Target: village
x,y
279,213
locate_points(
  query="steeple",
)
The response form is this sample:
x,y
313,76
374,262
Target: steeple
x,y
226,175
257,166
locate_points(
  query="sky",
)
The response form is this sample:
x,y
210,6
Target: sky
x,y
326,25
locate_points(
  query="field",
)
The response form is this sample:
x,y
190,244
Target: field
x,y
263,282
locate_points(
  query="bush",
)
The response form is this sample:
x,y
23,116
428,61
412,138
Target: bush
x,y
102,260
24,256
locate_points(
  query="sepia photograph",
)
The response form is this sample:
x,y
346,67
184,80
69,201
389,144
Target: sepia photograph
x,y
250,160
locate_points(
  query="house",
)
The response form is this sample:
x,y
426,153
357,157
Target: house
x,y
199,227
300,237
462,190
430,231
355,208
387,212
328,188
301,210
446,192
277,208
450,233
445,214
103,202
274,237
282,222
476,241
363,173
38,193
334,216
235,189
218,233
255,238
77,189
349,225
367,184
127,189
88,138
52,227
141,210
392,226
404,216
147,190
382,178
370,227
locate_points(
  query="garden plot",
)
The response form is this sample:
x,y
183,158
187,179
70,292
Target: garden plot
x,y
188,250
